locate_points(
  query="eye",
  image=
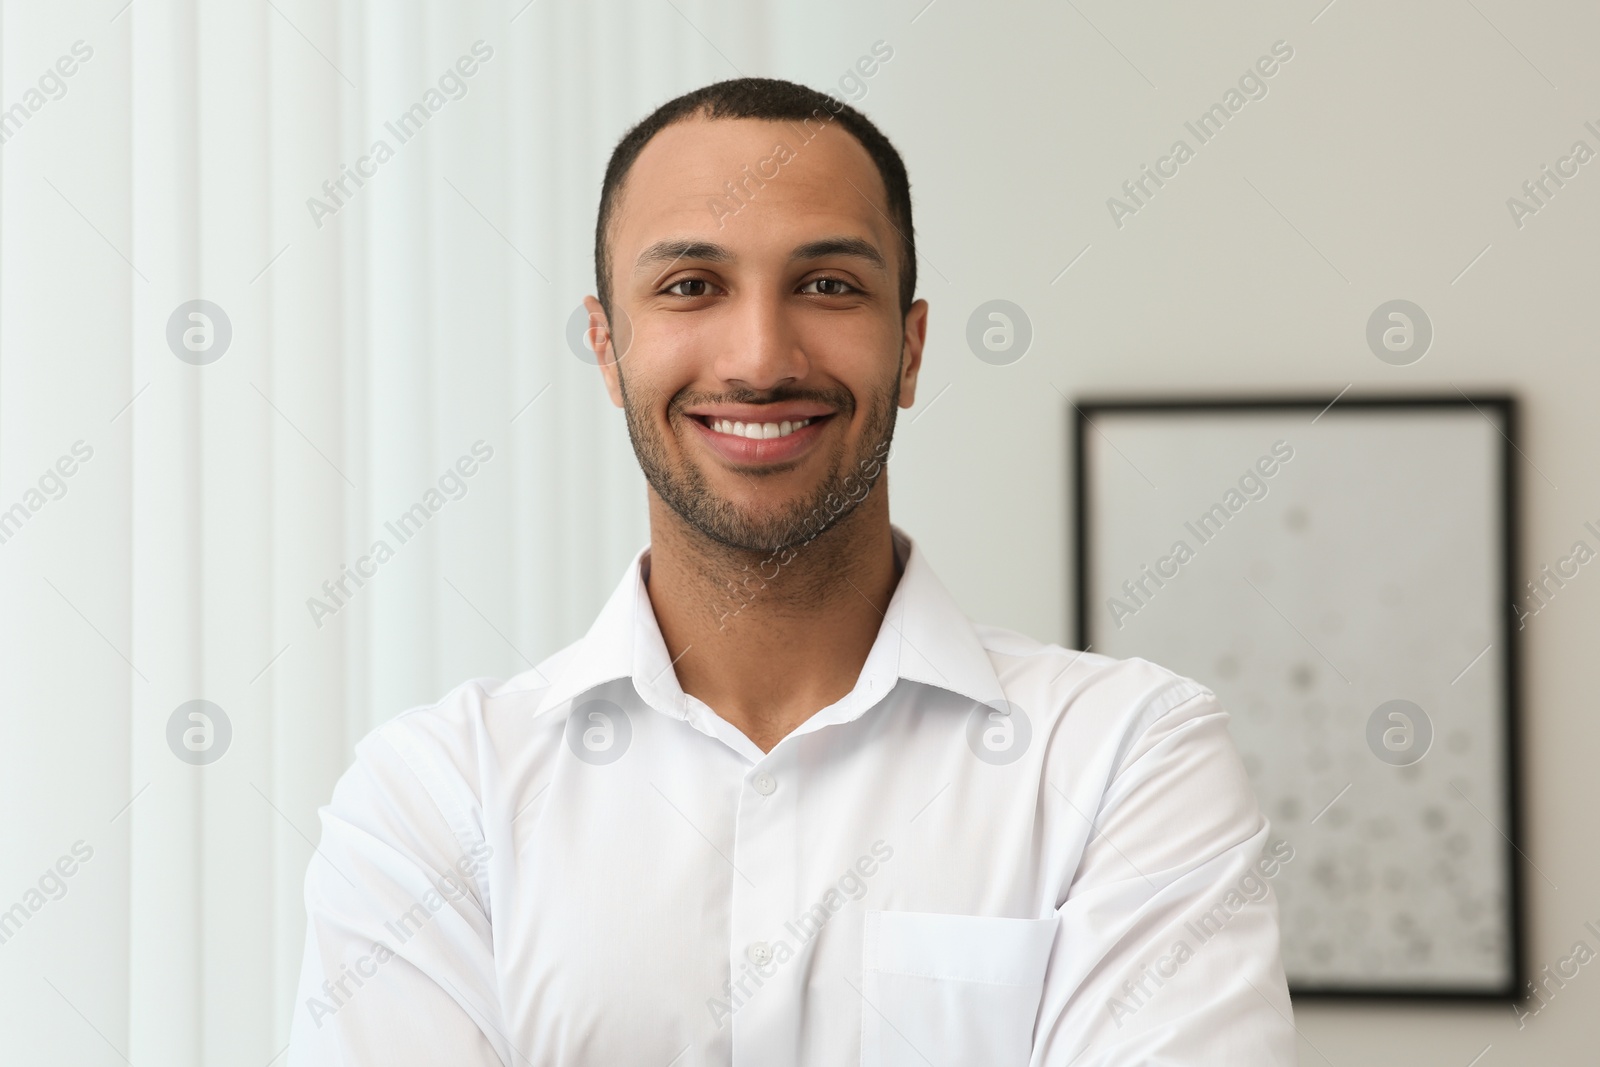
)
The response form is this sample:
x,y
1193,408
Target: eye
x,y
828,287
689,287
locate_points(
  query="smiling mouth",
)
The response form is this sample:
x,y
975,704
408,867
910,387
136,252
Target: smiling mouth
x,y
757,431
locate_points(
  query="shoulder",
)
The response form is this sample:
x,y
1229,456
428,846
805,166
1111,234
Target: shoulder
x,y
446,757
1131,735
1116,706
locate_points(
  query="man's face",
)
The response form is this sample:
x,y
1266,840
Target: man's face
x,y
782,315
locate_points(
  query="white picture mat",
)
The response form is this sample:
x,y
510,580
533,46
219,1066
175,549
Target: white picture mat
x,y
1371,570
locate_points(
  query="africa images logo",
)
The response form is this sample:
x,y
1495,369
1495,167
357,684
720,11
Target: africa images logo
x,y
598,732
998,733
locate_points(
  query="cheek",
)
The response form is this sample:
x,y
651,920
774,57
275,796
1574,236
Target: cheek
x,y
657,366
673,356
859,354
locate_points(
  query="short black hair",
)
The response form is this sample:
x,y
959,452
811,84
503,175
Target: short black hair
x,y
778,101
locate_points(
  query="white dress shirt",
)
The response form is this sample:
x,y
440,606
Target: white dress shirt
x,y
992,851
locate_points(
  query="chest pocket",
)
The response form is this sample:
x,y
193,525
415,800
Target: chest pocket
x,y
950,990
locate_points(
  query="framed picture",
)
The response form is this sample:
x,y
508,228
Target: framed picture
x,y
1341,575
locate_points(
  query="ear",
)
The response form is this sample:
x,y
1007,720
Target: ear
x,y
605,350
916,334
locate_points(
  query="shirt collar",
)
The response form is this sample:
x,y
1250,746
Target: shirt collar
x,y
925,637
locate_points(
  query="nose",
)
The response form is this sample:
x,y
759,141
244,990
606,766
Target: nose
x,y
761,350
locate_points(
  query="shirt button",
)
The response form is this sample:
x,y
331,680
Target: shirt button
x,y
764,783
760,953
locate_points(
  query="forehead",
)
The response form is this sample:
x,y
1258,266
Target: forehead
x,y
796,181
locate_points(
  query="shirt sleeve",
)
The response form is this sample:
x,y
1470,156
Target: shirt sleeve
x,y
1168,951
398,967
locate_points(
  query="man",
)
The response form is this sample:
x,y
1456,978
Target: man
x,y
784,803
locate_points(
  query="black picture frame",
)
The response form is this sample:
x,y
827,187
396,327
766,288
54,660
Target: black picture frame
x,y
1082,416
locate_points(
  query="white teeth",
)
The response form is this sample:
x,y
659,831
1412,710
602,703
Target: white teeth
x,y
758,431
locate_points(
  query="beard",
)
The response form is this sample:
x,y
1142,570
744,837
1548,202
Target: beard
x,y
685,489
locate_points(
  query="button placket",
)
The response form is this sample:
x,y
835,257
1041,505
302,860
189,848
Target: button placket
x,y
764,1025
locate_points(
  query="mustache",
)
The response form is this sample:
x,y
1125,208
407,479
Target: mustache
x,y
841,402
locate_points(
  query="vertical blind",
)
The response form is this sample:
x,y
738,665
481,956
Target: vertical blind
x,y
367,467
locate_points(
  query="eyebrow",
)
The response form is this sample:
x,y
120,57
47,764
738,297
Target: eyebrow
x,y
674,249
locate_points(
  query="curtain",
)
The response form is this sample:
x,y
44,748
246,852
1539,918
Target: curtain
x,y
281,282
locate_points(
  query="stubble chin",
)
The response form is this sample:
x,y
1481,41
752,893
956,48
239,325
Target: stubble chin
x,y
684,487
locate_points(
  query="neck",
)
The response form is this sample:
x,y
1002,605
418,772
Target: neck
x,y
767,640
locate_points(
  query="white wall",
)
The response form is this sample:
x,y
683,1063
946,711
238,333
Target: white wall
x,y
1391,142
178,563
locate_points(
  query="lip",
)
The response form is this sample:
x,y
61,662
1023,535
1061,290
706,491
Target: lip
x,y
747,451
